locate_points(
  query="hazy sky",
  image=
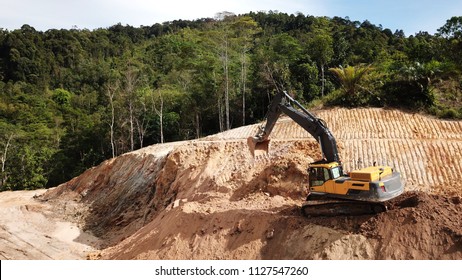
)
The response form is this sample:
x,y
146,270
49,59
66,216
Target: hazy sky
x,y
409,15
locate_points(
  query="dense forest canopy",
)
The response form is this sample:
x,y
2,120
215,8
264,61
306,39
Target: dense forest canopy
x,y
70,99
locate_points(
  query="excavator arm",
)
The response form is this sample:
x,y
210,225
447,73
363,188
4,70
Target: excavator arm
x,y
282,103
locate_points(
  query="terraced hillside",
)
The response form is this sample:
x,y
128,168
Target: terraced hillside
x,y
427,151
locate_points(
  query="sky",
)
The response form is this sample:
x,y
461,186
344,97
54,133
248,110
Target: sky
x,y
411,16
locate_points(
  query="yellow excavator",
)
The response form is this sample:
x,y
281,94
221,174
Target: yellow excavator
x,y
331,192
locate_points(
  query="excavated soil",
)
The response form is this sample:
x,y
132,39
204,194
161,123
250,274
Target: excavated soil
x,y
210,199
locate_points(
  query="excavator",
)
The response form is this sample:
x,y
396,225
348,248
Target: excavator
x,y
330,191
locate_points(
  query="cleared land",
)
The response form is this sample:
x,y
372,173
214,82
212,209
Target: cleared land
x,y
210,199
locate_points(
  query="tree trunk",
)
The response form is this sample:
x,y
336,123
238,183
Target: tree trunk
x,y
243,78
132,127
226,85
161,119
141,126
131,79
198,127
220,113
111,93
322,80
112,129
3,158
160,113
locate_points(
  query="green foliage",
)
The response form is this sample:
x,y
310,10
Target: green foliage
x,y
452,28
448,113
70,99
408,94
411,85
452,32
351,77
62,97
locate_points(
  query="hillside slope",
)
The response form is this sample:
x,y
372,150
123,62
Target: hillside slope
x,y
210,199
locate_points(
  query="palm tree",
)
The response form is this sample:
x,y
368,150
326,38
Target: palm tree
x,y
351,77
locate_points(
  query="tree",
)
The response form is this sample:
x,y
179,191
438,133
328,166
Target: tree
x,y
111,90
276,57
321,50
411,85
130,84
222,42
159,110
245,29
224,52
351,78
7,135
452,31
452,28
61,96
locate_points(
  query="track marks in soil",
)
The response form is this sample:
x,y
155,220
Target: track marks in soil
x,y
427,151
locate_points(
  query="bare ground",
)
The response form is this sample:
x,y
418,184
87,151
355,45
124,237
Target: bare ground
x,y
210,199
30,230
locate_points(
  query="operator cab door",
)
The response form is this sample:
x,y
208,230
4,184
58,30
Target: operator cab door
x,y
320,180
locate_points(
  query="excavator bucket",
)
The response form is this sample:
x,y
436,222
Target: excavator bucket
x,y
258,148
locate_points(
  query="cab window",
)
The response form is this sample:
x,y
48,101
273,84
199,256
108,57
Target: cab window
x,y
318,175
335,172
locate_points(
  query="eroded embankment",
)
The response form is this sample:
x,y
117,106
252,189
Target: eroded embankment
x,y
123,194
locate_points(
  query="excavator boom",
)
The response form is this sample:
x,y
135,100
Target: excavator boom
x,y
282,103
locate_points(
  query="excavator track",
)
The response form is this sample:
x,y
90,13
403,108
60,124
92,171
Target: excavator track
x,y
325,206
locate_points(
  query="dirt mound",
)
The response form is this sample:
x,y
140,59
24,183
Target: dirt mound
x,y
122,195
210,199
418,225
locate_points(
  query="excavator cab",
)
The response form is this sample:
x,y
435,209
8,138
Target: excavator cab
x,y
324,171
321,176
318,175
